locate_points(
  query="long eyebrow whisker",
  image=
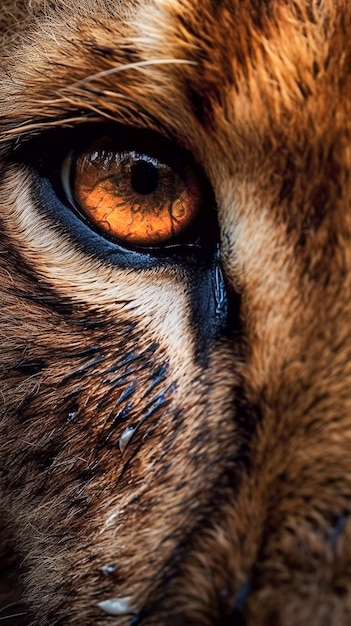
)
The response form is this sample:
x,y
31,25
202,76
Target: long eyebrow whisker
x,y
11,605
129,66
24,127
9,617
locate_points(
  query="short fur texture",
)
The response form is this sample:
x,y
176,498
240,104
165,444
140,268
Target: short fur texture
x,y
231,503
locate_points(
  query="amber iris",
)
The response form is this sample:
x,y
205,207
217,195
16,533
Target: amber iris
x,y
135,197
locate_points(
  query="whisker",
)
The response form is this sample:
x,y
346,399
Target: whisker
x,y
15,615
27,128
130,66
10,606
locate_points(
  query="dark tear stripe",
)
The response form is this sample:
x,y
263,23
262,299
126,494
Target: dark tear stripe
x,y
337,529
237,615
215,308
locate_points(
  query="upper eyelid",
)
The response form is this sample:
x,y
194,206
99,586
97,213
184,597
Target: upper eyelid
x,y
37,149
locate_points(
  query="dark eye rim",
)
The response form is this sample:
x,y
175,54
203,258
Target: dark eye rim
x,y
44,155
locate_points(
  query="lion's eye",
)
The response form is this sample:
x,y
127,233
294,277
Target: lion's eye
x,y
136,196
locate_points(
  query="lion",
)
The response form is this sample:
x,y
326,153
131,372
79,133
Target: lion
x,y
175,262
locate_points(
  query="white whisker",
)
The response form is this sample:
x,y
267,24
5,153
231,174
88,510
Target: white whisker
x,y
25,127
10,606
130,66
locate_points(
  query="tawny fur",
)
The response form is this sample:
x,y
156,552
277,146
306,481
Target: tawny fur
x,y
231,504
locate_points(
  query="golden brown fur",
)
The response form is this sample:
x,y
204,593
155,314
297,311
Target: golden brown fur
x,y
232,502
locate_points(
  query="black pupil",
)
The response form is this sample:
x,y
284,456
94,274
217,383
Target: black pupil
x,y
144,177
